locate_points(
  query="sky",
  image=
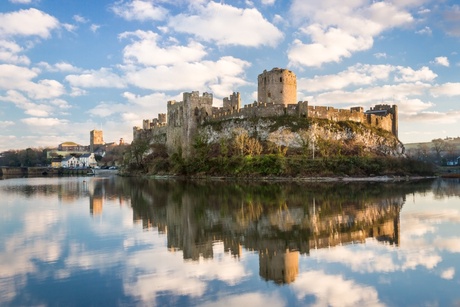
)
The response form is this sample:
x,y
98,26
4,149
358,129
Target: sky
x,y
70,66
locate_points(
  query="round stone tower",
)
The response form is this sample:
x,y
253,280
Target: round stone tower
x,y
278,86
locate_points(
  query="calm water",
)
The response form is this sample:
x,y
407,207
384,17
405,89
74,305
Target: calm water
x,y
113,241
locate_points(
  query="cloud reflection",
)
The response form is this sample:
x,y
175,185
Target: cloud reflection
x,y
334,290
154,271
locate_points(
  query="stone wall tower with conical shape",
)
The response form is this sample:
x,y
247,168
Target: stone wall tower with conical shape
x,y
278,86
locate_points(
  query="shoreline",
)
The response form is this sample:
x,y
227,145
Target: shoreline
x,y
384,178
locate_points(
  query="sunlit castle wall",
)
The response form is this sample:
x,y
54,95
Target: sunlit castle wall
x,y
278,86
184,117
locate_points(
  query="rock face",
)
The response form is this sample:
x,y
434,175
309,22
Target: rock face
x,y
293,134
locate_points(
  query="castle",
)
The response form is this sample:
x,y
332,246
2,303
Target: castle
x,y
276,96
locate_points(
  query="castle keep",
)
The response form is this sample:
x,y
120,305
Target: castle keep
x,y
276,96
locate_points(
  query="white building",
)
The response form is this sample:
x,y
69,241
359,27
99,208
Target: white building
x,y
70,162
87,160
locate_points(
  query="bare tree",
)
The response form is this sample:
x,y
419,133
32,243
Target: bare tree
x,y
451,151
253,147
439,146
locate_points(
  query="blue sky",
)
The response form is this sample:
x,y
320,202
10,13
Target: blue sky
x,y
67,67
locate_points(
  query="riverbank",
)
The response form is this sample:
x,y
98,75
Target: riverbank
x,y
285,179
43,171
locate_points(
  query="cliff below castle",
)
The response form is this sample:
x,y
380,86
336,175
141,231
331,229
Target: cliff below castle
x,y
311,137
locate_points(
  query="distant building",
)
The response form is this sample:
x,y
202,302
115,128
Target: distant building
x,y
72,147
56,162
87,160
96,139
69,162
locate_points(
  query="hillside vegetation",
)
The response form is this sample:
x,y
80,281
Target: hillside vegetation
x,y
284,146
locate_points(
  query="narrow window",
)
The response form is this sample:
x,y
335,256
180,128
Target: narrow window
x,y
281,79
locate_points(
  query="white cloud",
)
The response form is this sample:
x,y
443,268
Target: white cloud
x,y
15,77
146,51
410,107
336,29
27,23
248,299
148,101
103,77
425,31
44,122
407,74
224,24
60,103
80,19
20,78
227,72
94,28
446,89
141,10
9,53
329,45
359,74
45,89
21,1
7,123
442,118
448,274
105,109
59,67
267,2
371,95
442,60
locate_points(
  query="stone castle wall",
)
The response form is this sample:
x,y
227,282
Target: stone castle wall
x,y
277,94
184,117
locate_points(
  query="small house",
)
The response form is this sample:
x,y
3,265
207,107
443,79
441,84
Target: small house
x,y
87,160
69,162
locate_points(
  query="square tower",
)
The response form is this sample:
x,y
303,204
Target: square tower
x,y
95,139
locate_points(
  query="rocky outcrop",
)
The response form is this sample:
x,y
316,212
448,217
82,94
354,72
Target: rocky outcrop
x,y
297,132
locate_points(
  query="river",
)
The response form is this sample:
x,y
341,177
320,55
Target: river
x,y
112,241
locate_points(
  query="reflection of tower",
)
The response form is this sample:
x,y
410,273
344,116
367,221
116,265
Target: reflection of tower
x,y
95,139
184,231
387,231
280,266
96,197
95,205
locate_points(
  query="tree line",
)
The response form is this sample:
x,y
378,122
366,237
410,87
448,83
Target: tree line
x,y
242,155
38,157
24,157
438,151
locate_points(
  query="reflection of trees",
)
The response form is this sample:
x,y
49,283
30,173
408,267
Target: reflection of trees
x,y
446,188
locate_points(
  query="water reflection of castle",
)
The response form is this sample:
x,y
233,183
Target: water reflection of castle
x,y
279,235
